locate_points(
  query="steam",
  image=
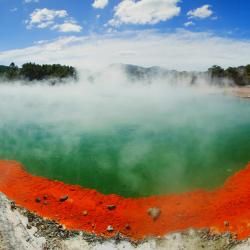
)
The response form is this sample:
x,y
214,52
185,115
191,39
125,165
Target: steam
x,y
123,136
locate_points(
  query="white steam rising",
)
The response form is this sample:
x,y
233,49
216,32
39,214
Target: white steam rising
x,y
148,117
111,99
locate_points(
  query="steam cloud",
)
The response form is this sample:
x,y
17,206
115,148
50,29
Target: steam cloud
x,y
126,137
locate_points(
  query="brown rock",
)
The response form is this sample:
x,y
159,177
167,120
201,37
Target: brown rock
x,y
111,207
85,213
110,229
63,198
38,200
154,212
12,205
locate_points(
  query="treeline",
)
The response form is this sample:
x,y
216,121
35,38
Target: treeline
x,y
36,72
57,73
238,75
216,75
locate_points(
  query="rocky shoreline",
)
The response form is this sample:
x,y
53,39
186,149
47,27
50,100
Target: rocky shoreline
x,y
241,92
21,229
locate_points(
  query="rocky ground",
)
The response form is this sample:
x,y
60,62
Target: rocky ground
x,y
243,92
22,230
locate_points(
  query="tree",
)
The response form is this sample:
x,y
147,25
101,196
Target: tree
x,y
12,71
216,71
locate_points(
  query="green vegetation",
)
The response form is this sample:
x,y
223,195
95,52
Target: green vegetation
x,y
32,72
238,75
56,73
219,76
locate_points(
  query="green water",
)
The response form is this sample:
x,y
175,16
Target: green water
x,y
197,143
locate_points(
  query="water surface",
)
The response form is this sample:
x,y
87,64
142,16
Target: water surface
x,y
135,143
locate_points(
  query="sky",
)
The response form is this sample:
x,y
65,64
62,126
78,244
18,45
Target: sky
x,y
178,34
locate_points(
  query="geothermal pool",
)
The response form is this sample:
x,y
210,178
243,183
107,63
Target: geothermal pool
x,y
133,141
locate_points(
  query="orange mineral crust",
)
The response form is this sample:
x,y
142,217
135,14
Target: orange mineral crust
x,y
225,209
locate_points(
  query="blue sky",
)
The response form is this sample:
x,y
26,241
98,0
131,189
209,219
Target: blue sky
x,y
178,34
229,18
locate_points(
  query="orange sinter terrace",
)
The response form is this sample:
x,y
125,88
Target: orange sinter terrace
x,y
224,209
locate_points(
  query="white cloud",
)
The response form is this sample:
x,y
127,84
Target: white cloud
x,y
100,4
31,1
182,50
144,11
200,13
46,18
42,18
67,27
188,24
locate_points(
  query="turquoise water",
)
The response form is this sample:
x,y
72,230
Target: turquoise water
x,y
185,143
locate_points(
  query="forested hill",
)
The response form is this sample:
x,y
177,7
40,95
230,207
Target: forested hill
x,y
36,72
238,75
